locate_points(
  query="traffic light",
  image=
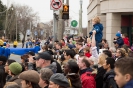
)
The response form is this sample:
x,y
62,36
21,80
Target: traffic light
x,y
65,12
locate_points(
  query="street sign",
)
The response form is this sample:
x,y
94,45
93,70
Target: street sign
x,y
74,23
56,5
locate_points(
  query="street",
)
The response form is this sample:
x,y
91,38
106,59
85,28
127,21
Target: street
x,y
16,57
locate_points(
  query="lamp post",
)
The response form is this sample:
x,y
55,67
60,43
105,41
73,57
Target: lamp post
x,y
80,17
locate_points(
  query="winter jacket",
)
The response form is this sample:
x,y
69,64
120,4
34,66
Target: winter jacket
x,y
120,42
99,77
87,79
15,79
87,54
75,81
108,80
126,41
129,84
99,34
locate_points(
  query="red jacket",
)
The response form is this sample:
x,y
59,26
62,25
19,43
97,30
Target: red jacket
x,y
126,41
87,54
88,80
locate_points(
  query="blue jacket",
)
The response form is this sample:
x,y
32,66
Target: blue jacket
x,y
120,41
99,34
129,84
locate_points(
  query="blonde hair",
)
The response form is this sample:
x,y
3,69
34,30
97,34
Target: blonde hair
x,y
102,59
123,52
96,19
88,40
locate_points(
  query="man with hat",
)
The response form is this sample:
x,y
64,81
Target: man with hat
x,y
14,70
43,60
58,81
30,79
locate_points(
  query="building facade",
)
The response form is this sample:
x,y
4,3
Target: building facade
x,y
115,15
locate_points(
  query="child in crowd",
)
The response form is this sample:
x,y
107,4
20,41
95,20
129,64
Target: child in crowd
x,y
124,73
118,40
87,51
126,39
98,27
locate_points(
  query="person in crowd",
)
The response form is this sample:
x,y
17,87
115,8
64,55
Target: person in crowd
x,y
68,54
58,81
31,61
113,51
98,27
87,51
70,44
1,43
3,60
44,48
108,53
9,61
2,78
30,44
86,76
88,42
11,85
15,44
29,79
24,59
23,40
126,39
58,46
79,46
45,74
118,41
124,72
43,60
62,42
14,70
50,48
120,53
108,79
27,43
100,71
105,44
71,70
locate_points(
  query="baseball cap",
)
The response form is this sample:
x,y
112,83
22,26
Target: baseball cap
x,y
43,55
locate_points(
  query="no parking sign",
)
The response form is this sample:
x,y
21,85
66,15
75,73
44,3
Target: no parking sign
x,y
56,4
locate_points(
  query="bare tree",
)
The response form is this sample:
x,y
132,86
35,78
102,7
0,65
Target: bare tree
x,y
25,17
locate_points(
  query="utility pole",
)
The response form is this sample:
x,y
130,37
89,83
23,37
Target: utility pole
x,y
80,18
54,26
16,26
61,26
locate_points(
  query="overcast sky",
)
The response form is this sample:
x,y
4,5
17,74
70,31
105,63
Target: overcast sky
x,y
45,14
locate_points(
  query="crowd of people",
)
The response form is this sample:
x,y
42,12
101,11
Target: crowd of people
x,y
81,62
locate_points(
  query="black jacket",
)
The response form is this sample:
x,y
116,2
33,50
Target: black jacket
x,y
75,80
99,77
108,80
